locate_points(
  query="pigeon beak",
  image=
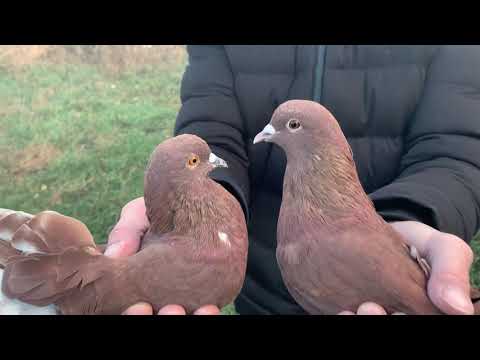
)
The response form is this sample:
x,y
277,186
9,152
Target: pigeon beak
x,y
216,161
265,135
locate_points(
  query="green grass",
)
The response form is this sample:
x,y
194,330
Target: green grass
x,y
97,132
475,271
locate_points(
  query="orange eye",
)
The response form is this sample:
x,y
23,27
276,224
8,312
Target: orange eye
x,y
193,161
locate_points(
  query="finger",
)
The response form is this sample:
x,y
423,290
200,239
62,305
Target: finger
x,y
346,312
449,283
398,313
415,234
139,309
124,239
133,217
123,242
172,310
136,213
207,310
370,308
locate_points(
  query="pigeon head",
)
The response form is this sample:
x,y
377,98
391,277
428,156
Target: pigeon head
x,y
302,126
183,157
319,158
178,169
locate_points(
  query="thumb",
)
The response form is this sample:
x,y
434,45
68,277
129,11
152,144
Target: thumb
x,y
449,283
124,239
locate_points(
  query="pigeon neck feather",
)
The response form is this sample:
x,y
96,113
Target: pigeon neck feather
x,y
326,186
195,210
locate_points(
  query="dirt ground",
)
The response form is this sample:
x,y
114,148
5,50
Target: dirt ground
x,y
113,58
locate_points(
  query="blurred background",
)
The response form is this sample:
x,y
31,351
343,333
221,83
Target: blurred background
x,y
79,122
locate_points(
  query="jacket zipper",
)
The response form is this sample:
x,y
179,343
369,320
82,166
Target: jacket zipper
x,y
319,72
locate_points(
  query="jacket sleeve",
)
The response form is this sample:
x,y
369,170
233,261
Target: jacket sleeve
x,y
439,178
210,110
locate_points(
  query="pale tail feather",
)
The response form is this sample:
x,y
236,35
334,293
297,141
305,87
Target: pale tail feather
x,y
15,307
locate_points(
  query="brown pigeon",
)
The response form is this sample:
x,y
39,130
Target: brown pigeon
x,y
193,254
334,251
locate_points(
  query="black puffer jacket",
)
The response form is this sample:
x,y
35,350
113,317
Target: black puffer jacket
x,y
410,113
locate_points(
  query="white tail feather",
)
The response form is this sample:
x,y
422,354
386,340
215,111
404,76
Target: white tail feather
x,y
25,247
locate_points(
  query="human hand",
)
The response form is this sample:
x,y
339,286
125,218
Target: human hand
x,y
450,259
146,309
124,240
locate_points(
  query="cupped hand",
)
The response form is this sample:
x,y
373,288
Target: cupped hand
x,y
450,259
124,240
